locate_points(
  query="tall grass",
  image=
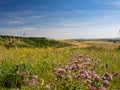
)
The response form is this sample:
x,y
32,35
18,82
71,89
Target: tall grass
x,y
40,62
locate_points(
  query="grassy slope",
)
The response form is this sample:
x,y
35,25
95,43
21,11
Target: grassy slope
x,y
10,41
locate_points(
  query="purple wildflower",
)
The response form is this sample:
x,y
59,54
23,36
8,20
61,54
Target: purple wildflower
x,y
106,83
102,88
108,75
25,74
31,82
96,77
61,71
91,87
88,81
85,74
47,87
34,77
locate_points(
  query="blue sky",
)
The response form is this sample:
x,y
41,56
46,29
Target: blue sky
x,y
60,19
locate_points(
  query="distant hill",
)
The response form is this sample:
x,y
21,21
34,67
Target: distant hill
x,y
30,42
114,40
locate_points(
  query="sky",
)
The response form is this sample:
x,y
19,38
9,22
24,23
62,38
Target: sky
x,y
60,19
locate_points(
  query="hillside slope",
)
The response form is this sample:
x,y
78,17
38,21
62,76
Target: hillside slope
x,y
30,42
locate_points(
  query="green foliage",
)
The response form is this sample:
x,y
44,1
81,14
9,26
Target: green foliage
x,y
12,79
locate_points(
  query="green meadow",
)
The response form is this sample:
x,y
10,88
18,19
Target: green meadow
x,y
50,68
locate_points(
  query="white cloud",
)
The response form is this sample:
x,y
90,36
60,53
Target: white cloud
x,y
98,24
19,18
97,31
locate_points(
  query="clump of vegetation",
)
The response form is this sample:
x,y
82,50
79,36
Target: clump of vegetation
x,y
19,76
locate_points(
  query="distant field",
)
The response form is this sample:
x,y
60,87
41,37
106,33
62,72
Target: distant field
x,y
85,43
85,65
114,40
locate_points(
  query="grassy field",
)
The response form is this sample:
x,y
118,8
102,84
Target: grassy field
x,y
91,67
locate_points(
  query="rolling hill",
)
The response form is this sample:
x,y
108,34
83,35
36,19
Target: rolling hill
x,y
30,42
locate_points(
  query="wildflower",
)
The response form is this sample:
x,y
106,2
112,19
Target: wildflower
x,y
73,67
47,87
80,60
70,77
88,81
31,82
108,75
85,74
87,63
67,68
91,87
34,77
102,88
59,76
103,78
61,71
96,77
25,74
106,83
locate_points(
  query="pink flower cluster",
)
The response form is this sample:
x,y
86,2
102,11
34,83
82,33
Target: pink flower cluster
x,y
82,71
29,82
